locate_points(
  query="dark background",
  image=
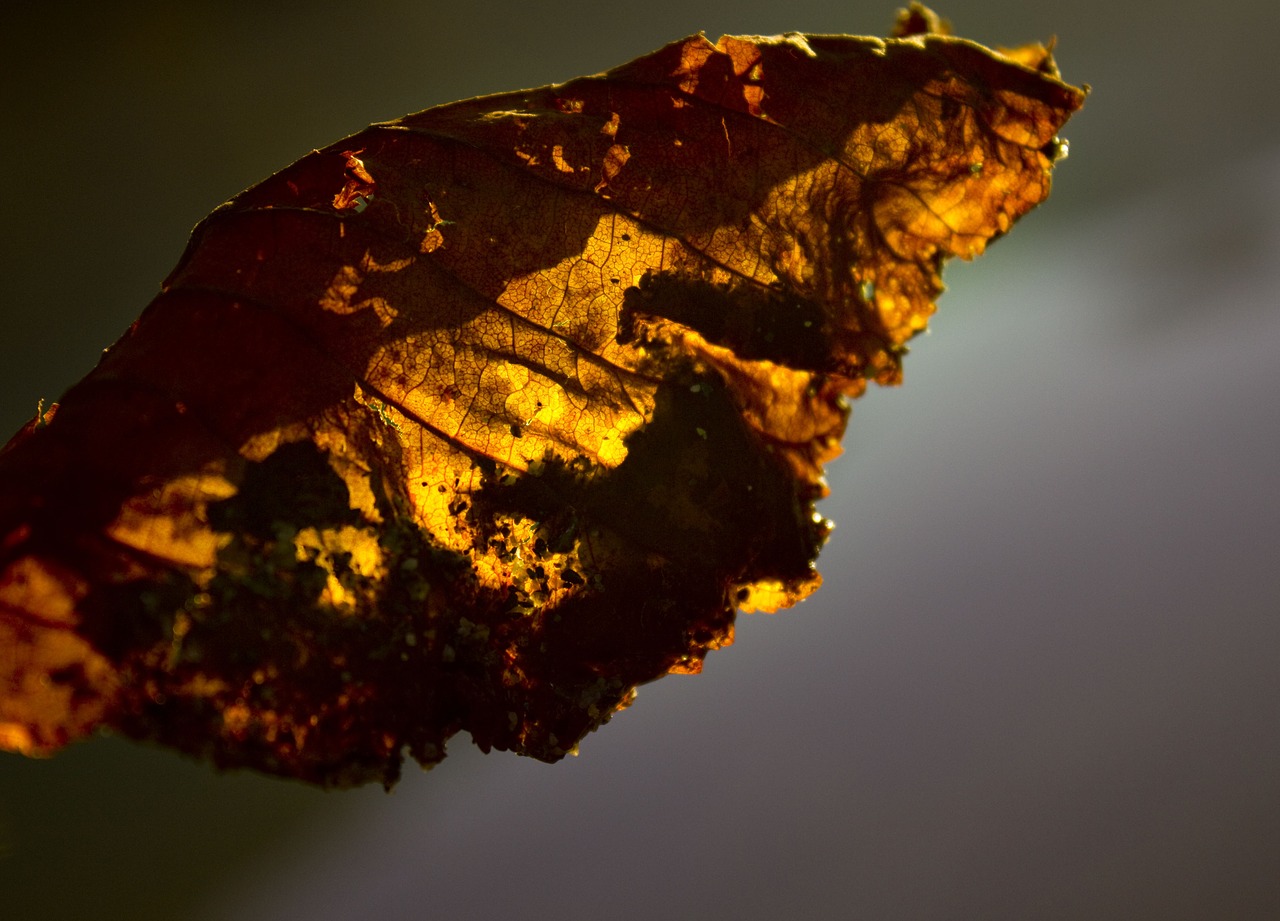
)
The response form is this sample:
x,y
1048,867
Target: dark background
x,y
1042,678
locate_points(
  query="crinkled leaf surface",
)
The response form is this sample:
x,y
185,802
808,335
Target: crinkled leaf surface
x,y
480,418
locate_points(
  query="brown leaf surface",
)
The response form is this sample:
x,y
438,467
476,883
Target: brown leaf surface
x,y
480,418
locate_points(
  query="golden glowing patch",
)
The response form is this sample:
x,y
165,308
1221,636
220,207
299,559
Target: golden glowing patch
x,y
615,159
236,718
771,596
342,296
16,737
57,686
37,586
166,523
352,560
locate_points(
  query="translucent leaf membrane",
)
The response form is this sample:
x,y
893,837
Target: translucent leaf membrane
x,y
481,418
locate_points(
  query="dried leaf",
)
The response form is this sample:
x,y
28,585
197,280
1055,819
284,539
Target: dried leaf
x,y
480,418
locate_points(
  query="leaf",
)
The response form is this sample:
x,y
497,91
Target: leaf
x,y
480,418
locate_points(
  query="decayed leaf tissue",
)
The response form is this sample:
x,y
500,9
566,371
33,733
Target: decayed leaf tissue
x,y
480,418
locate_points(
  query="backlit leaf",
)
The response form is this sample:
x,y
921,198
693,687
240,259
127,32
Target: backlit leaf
x,y
480,418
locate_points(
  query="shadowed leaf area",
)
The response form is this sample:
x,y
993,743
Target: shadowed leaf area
x,y
480,418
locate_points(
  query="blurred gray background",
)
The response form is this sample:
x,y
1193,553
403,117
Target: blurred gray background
x,y
1041,680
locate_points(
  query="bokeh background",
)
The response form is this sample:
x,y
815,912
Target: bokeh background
x,y
1043,677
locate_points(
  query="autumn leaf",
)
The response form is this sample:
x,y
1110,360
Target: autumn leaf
x,y
480,418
